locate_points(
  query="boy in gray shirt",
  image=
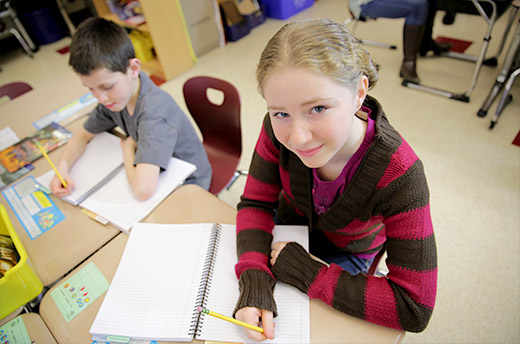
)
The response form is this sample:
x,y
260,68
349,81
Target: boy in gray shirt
x,y
103,57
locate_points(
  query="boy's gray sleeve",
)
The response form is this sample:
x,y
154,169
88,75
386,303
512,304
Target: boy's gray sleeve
x,y
98,121
156,142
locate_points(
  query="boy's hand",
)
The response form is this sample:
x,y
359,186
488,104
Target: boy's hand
x,y
58,189
257,317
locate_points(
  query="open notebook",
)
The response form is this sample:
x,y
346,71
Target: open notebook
x,y
168,270
101,185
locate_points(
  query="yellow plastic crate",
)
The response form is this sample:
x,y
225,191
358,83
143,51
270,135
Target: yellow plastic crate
x,y
143,45
19,284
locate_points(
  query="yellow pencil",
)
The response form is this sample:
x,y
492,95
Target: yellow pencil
x,y
233,320
50,163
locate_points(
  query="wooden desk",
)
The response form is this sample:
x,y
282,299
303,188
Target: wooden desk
x,y
190,204
37,330
60,249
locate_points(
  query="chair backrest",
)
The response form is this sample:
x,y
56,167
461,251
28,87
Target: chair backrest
x,y
219,125
14,89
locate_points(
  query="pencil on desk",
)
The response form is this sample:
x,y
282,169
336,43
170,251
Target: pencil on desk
x,y
50,163
232,320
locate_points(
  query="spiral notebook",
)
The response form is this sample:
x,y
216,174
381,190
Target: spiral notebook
x,y
101,186
168,270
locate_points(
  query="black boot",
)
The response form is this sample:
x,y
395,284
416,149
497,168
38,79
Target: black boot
x,y
436,47
427,42
412,35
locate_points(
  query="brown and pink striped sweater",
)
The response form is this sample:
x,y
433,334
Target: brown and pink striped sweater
x,y
386,203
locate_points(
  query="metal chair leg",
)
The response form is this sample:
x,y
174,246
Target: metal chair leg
x,y
493,61
366,41
506,97
477,59
20,39
504,73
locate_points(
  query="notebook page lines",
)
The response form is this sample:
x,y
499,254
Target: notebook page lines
x,y
164,310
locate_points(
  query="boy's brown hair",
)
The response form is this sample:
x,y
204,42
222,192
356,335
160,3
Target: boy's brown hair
x,y
100,43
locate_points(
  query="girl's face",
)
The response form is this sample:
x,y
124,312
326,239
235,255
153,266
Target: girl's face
x,y
312,115
112,89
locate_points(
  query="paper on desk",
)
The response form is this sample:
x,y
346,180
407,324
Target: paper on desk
x,y
7,138
14,332
33,208
68,111
79,291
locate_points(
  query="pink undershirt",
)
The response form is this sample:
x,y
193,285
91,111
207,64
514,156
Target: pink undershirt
x,y
326,192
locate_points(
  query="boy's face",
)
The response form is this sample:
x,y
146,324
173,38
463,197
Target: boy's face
x,y
112,89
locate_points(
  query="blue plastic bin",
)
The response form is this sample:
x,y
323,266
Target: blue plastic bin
x,y
283,9
254,19
235,32
44,25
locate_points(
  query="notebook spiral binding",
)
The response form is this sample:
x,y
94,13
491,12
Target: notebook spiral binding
x,y
205,282
99,185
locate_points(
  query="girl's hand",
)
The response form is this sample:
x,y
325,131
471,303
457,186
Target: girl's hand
x,y
276,249
257,317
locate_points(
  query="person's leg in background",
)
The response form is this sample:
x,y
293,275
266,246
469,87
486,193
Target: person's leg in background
x,y
428,43
414,12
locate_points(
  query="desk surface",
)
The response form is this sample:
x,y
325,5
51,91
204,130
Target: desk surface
x,y
65,245
36,329
184,206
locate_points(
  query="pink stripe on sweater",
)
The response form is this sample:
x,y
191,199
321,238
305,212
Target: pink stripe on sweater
x,y
260,191
252,260
249,218
400,162
324,285
380,305
415,224
421,286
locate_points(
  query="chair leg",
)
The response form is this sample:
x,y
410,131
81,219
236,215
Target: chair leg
x,y
366,41
493,61
505,97
479,59
20,39
504,73
237,174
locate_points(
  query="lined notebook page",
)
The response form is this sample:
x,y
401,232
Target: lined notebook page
x,y
153,293
102,155
116,202
292,323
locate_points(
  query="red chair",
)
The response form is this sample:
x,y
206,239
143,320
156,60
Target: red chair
x,y
220,127
14,89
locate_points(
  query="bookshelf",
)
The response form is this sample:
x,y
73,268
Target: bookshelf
x,y
164,23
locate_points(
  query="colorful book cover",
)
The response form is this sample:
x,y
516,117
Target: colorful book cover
x,y
25,151
6,177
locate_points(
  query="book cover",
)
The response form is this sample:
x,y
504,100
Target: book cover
x,y
25,151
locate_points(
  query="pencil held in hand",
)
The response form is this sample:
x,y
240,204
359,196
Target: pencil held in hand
x,y
232,320
50,163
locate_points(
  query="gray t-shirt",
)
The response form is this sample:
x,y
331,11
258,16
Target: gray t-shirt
x,y
159,127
